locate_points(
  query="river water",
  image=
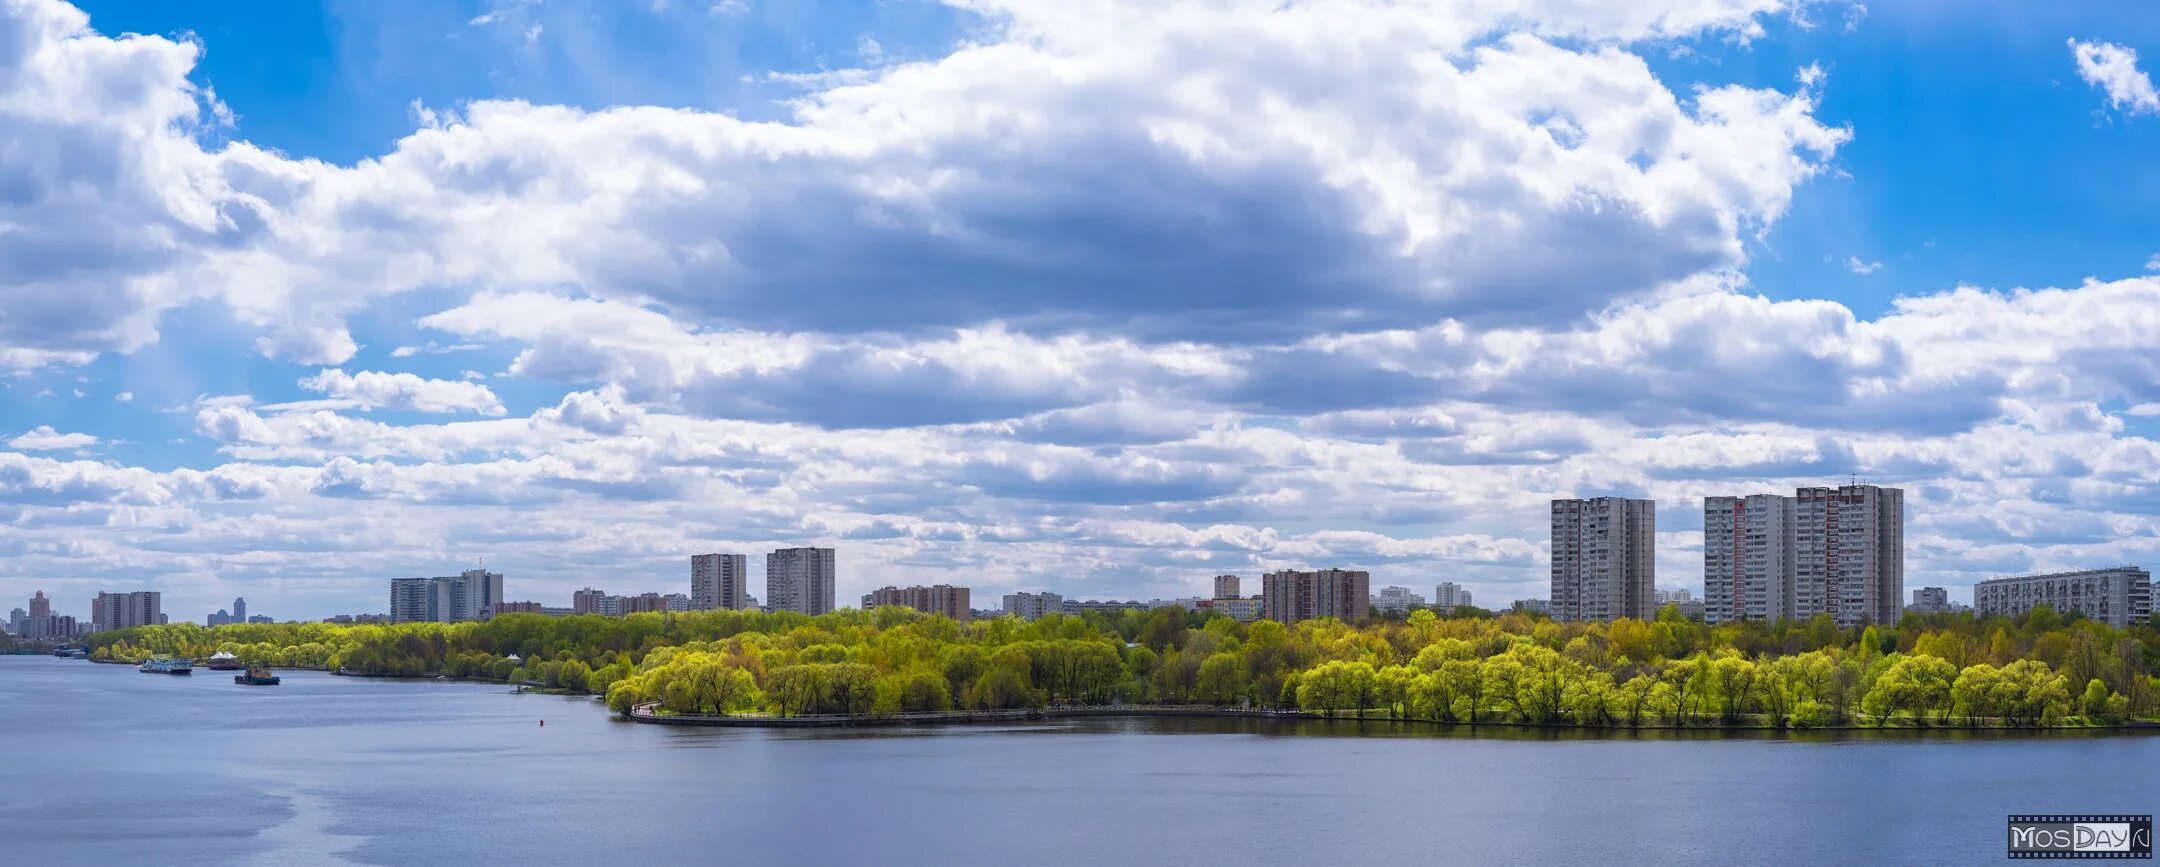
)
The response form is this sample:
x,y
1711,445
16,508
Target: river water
x,y
106,765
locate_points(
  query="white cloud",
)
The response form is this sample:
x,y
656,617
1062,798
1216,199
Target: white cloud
x,y
1854,264
2113,68
371,389
1484,131
124,397
44,438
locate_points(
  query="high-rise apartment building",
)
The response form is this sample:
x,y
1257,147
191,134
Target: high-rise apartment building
x,y
472,595
1748,558
39,605
1850,546
1930,600
1839,551
2118,597
936,599
719,581
125,610
1396,600
1604,558
800,579
1226,587
239,609
1448,596
1289,596
587,601
1032,606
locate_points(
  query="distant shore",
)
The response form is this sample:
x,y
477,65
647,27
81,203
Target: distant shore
x,y
649,714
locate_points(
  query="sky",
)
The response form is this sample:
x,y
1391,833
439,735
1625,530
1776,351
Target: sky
x,y
1101,298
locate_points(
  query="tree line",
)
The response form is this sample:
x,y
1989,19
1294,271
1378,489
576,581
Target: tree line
x,y
2036,670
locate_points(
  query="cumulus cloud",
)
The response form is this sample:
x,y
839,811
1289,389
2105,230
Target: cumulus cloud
x,y
2114,69
44,438
372,390
1856,266
1110,296
1225,197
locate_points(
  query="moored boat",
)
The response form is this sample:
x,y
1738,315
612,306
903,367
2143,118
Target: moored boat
x,y
224,661
257,676
167,665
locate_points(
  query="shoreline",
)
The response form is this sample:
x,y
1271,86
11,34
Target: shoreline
x,y
646,713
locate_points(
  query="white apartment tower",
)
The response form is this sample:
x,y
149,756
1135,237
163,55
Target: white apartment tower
x,y
719,581
800,579
1748,563
1604,558
1448,596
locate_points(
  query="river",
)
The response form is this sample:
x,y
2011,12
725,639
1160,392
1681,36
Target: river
x,y
106,765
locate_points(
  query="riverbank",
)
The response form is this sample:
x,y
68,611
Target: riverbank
x,y
648,712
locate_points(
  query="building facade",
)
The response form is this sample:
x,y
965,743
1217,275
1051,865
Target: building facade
x,y
1929,600
1837,551
942,599
1226,587
1289,596
471,595
719,581
39,605
1850,550
800,579
1604,558
1032,606
125,610
1396,600
1448,596
1243,609
587,601
1748,561
2117,597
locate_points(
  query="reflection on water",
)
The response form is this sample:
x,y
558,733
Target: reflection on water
x,y
109,766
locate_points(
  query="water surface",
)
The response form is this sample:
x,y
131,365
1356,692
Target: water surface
x,y
106,765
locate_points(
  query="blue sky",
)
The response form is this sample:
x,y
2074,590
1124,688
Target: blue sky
x,y
304,297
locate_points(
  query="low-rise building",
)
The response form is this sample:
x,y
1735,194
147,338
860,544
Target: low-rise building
x,y
1241,608
2117,596
942,599
1032,606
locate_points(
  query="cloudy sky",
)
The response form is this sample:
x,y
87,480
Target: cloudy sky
x,y
1104,297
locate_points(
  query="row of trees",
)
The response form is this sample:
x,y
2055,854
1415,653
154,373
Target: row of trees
x,y
2036,670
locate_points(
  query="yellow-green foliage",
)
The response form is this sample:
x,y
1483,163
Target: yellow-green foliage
x,y
1940,670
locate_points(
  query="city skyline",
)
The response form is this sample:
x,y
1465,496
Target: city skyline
x,y
1051,299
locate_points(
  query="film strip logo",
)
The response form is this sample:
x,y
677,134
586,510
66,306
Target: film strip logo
x,y
2080,836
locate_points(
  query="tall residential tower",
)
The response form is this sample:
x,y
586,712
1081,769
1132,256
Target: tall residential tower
x,y
719,581
800,579
1604,558
1839,551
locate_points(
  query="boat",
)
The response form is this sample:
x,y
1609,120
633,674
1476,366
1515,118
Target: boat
x,y
224,661
78,653
167,665
257,676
